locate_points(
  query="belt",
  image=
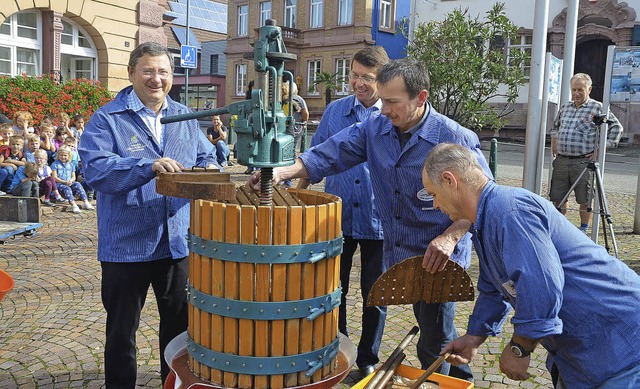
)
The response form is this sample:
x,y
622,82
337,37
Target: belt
x,y
574,156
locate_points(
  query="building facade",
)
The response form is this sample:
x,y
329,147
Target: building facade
x,y
324,34
92,39
601,23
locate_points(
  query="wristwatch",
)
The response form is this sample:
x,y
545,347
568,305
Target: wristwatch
x,y
517,350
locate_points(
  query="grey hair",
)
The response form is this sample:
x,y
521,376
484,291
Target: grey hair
x,y
413,73
451,157
582,77
149,48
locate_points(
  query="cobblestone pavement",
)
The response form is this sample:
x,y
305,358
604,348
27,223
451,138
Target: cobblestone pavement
x,y
52,322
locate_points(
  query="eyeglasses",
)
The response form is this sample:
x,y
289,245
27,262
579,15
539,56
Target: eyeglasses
x,y
163,74
364,79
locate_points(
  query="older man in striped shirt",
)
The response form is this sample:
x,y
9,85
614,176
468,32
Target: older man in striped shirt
x,y
573,140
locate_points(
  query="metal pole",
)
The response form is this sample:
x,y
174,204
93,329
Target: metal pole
x,y
601,147
636,218
532,142
543,125
569,49
186,70
493,158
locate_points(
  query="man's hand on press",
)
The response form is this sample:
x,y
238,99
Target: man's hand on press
x,y
166,165
438,253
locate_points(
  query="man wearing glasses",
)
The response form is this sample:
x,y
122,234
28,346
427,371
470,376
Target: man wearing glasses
x,y
141,234
360,219
395,144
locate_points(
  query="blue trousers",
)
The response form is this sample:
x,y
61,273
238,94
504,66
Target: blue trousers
x,y
222,152
124,290
373,318
436,331
6,177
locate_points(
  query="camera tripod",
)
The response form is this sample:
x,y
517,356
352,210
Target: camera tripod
x,y
605,215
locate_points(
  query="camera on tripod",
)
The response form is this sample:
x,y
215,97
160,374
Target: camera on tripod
x,y
600,119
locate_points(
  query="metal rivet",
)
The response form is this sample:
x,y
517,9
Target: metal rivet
x,y
203,247
262,254
293,363
278,310
244,310
213,359
262,311
296,253
246,253
201,301
215,305
244,365
295,309
260,366
201,355
279,254
277,365
227,363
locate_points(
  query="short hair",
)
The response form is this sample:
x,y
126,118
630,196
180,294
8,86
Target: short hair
x,y
69,139
33,138
63,149
16,138
30,169
149,48
60,131
42,153
584,77
451,157
25,115
413,73
78,117
64,116
6,126
371,57
46,126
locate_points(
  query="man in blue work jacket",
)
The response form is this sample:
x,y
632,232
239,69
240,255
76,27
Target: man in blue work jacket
x,y
141,234
394,145
361,224
580,303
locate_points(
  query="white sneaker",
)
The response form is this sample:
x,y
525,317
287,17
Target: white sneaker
x,y
2,193
88,206
75,209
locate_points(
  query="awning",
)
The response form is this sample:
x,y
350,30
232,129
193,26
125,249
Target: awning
x,y
181,35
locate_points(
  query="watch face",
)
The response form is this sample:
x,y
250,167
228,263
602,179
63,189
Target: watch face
x,y
516,351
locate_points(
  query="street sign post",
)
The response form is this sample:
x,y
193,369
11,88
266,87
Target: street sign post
x,y
188,56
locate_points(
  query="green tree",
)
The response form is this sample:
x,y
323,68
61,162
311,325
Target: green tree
x,y
469,66
331,83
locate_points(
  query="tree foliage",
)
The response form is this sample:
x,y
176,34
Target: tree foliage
x,y
331,83
468,65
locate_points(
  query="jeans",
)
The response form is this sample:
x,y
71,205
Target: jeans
x,y
124,290
436,331
373,318
26,189
222,152
6,177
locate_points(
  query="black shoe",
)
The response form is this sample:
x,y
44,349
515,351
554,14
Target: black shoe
x,y
249,170
367,370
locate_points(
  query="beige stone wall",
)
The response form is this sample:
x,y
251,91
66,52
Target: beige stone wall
x,y
325,44
115,26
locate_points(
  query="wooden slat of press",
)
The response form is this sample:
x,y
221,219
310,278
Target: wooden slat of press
x,y
247,287
320,285
191,309
278,290
246,196
308,289
206,223
333,267
217,287
263,289
196,280
292,326
232,292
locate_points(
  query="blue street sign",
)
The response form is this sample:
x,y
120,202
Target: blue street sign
x,y
188,56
